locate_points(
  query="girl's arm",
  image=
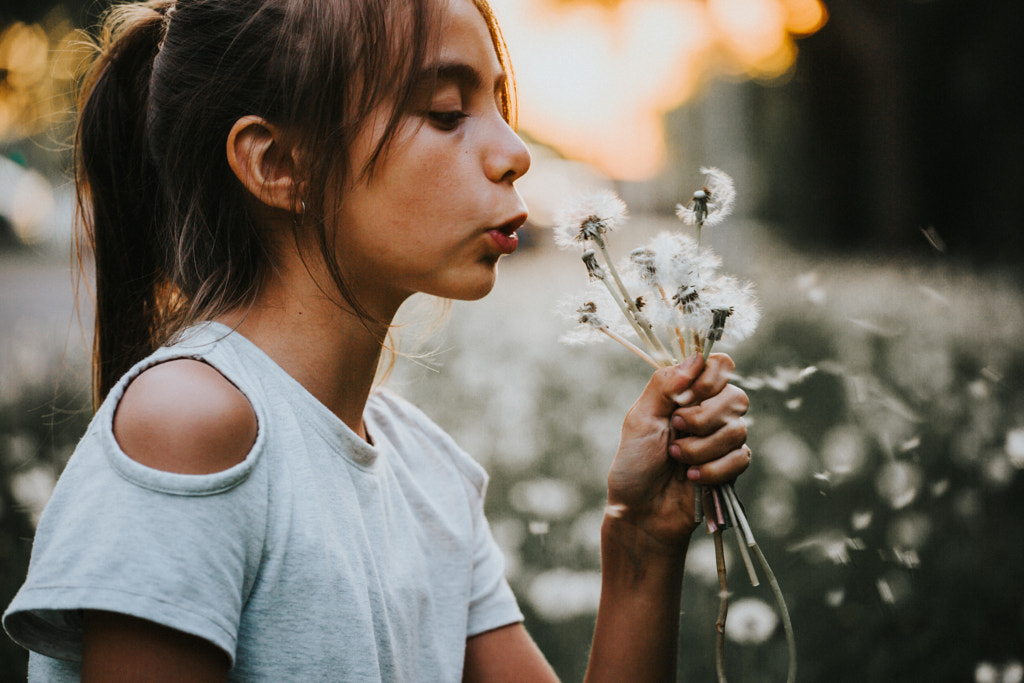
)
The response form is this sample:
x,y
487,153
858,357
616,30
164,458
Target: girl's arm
x,y
646,530
650,514
121,649
179,416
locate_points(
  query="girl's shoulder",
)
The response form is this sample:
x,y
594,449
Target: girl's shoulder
x,y
184,416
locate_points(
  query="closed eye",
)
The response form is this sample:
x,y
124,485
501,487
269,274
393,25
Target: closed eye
x,y
447,120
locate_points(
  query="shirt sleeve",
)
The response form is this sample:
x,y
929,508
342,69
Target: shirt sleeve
x,y
492,603
179,550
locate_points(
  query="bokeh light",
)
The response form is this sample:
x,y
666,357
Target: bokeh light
x,y
596,79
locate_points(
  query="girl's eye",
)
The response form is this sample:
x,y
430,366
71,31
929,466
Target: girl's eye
x,y
447,120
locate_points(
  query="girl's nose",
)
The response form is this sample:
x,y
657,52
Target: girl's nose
x,y
508,158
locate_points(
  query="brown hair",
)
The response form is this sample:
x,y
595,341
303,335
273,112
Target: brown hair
x,y
167,220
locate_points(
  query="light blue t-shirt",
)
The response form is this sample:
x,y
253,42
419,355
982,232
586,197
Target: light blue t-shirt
x,y
320,557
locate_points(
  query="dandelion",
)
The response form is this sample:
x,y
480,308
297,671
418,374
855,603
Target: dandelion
x,y
671,297
588,218
711,204
751,622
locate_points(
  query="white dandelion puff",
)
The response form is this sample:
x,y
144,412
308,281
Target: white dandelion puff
x,y
711,204
589,217
751,622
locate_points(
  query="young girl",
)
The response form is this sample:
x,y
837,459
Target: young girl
x,y
264,183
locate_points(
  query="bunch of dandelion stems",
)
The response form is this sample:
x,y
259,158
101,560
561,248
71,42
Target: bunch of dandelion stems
x,y
719,505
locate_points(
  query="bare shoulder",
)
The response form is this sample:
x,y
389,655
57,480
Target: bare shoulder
x,y
184,416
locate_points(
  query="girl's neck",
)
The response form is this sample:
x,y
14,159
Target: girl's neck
x,y
329,351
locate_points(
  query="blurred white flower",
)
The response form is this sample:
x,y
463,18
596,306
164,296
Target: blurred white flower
x,y
1015,447
910,530
588,217
700,561
861,519
986,672
832,545
788,455
807,283
898,483
775,508
32,488
835,597
545,498
561,594
844,451
750,622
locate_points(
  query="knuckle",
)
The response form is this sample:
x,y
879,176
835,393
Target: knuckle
x,y
740,428
687,451
725,361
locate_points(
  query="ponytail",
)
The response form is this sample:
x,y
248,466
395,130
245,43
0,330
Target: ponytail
x,y
119,196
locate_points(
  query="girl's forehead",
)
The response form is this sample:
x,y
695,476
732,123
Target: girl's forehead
x,y
467,36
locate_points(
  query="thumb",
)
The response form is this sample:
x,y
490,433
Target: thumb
x,y
659,396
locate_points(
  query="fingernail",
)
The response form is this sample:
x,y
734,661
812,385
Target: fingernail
x,y
689,362
684,398
678,423
675,451
693,474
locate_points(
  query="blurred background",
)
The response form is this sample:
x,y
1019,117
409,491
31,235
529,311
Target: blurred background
x,y
877,148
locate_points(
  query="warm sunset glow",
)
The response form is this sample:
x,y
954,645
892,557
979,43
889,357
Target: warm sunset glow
x,y
36,69
596,80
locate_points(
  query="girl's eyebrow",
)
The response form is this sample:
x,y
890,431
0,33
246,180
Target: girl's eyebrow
x,y
464,75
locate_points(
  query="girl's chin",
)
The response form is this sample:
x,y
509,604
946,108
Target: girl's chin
x,y
469,288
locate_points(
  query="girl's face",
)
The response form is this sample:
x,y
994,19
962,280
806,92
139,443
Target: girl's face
x,y
440,208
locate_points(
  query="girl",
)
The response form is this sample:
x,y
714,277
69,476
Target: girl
x,y
264,183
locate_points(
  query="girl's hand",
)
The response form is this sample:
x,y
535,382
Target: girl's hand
x,y
686,428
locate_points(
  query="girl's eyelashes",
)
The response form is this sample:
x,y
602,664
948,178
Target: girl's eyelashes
x,y
448,119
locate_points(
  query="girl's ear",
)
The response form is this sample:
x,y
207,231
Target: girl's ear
x,y
263,164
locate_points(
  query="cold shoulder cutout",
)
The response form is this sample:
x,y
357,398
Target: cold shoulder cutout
x,y
184,416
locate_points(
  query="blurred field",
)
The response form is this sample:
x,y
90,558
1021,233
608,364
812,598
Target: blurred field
x,y
887,427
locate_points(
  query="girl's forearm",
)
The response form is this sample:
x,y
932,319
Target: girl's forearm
x,y
636,637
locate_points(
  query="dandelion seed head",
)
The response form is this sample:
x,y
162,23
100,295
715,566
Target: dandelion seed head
x,y
561,594
647,270
588,217
861,520
898,483
594,268
835,597
909,531
1015,447
830,546
712,204
751,622
727,293
986,672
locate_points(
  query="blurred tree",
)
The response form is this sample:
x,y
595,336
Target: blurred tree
x,y
901,115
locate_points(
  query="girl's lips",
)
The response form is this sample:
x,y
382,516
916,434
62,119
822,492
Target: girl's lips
x,y
505,239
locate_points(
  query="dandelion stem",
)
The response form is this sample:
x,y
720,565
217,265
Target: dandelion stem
x,y
698,503
624,294
723,606
743,536
631,346
783,612
707,348
627,314
678,333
